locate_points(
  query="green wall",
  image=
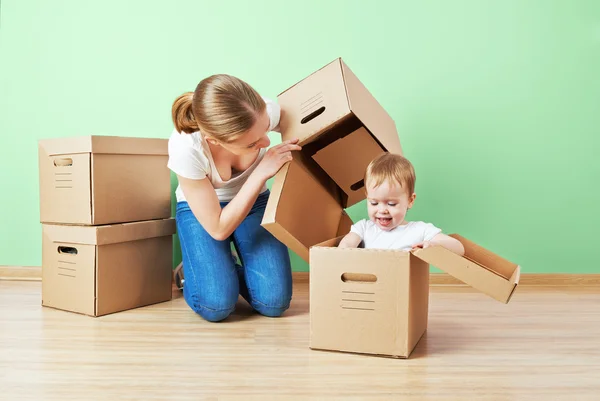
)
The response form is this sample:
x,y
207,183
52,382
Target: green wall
x,y
497,102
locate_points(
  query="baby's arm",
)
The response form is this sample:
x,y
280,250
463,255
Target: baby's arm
x,y
444,240
350,240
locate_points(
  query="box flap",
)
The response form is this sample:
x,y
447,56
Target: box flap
x,y
105,144
479,268
292,215
368,110
110,234
346,161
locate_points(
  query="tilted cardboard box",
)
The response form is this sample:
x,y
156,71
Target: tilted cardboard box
x,y
333,115
97,270
340,125
95,180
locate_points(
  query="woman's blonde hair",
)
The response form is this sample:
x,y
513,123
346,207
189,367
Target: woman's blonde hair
x,y
222,106
392,168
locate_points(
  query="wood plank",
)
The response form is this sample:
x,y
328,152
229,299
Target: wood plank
x,y
543,345
528,279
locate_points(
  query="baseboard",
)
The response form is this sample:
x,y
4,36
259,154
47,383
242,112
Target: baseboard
x,y
21,273
541,279
34,273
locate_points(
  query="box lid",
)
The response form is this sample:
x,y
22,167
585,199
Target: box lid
x,y
479,268
346,161
105,144
110,234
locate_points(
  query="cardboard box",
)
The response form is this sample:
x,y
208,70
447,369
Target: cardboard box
x,y
376,302
97,270
96,180
340,125
342,128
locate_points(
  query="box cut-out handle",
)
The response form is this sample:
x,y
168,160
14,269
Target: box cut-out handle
x,y
359,278
358,185
67,249
313,115
63,162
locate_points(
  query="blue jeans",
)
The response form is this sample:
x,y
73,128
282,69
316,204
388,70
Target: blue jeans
x,y
213,280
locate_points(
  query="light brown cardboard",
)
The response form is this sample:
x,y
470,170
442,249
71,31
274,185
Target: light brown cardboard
x,y
98,270
345,161
387,316
479,268
331,108
331,112
324,98
301,212
96,180
341,132
376,301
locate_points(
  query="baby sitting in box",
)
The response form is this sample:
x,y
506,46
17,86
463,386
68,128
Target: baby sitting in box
x,y
390,182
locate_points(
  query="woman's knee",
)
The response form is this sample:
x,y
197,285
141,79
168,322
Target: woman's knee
x,y
214,308
269,310
272,302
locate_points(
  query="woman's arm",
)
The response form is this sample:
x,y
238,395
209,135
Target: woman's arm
x,y
204,203
219,222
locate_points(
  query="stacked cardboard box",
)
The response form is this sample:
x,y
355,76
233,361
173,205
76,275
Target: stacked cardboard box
x,y
105,209
361,300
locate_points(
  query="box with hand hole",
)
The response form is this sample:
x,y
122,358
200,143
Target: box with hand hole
x,y
98,270
361,300
95,180
377,301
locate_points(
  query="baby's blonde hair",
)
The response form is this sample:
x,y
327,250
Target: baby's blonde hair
x,y
392,168
222,106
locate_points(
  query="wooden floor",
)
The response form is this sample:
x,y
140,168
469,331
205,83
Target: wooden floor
x,y
544,345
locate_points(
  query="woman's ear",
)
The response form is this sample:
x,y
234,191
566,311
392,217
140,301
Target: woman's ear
x,y
211,140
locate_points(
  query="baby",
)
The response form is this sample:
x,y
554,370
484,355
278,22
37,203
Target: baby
x,y
390,182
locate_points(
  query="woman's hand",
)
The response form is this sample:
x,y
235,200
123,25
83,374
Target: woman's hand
x,y
275,158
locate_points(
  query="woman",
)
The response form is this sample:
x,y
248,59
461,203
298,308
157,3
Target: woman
x,y
218,152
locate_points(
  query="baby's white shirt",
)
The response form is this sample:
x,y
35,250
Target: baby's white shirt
x,y
402,237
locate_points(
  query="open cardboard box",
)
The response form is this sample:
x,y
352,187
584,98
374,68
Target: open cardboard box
x,y
97,270
95,180
375,301
342,128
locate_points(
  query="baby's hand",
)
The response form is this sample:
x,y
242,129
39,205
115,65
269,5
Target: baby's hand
x,y
424,244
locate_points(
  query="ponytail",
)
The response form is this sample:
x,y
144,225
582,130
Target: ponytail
x,y
222,106
182,114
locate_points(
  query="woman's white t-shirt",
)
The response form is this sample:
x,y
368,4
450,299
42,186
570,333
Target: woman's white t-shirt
x,y
190,157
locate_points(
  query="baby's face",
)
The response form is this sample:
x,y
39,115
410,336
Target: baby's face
x,y
387,205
